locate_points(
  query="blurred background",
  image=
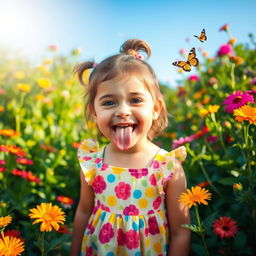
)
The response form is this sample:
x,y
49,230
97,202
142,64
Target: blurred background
x,y
99,27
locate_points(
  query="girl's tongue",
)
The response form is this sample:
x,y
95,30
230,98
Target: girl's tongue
x,y
123,137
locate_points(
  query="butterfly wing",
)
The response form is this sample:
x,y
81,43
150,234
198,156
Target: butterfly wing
x,y
202,36
192,60
182,64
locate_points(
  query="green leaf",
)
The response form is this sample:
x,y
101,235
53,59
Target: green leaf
x,y
228,181
193,228
55,242
207,223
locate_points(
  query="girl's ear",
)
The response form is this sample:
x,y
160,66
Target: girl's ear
x,y
157,109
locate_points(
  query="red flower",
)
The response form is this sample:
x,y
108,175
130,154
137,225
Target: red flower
x,y
225,49
12,232
2,169
99,184
106,233
23,160
120,237
123,190
152,225
225,227
131,210
65,200
132,239
63,229
75,144
224,27
157,202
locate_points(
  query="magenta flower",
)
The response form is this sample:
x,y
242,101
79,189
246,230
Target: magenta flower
x,y
193,78
106,233
152,179
138,173
23,160
132,239
99,184
123,190
157,202
237,100
225,49
181,141
131,210
120,237
2,162
152,225
253,81
224,27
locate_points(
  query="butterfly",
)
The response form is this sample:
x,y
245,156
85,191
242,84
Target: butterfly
x,y
192,61
202,36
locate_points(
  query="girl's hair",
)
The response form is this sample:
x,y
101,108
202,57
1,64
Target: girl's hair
x,y
121,65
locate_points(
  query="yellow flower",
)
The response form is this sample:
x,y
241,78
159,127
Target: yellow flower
x,y
19,75
47,62
195,195
50,216
203,112
4,221
112,200
11,246
143,203
213,108
246,113
24,87
2,109
44,83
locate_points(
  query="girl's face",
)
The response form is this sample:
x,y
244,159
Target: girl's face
x,y
124,111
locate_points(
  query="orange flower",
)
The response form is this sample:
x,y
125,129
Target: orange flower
x,y
196,195
24,87
13,150
65,200
4,221
245,113
50,216
11,246
9,133
232,41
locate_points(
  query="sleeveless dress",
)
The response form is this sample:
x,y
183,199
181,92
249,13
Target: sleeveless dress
x,y
129,215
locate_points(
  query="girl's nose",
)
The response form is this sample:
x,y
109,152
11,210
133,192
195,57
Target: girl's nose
x,y
123,110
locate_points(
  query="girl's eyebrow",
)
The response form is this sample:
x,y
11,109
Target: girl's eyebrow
x,y
112,95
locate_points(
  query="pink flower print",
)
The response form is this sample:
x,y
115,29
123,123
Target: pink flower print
x,y
88,251
91,228
138,173
131,210
152,225
104,167
150,212
123,190
120,237
157,202
152,179
146,231
106,233
155,164
97,160
99,184
131,239
105,208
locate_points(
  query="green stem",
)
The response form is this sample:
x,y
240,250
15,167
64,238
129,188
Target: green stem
x,y
233,82
201,231
42,243
18,112
247,150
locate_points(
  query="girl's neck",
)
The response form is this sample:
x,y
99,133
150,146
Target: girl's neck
x,y
136,157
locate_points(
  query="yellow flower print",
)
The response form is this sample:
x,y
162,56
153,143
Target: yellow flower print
x,y
117,170
157,247
143,203
150,192
111,201
148,242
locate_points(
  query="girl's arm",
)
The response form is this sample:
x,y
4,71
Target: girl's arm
x,y
177,214
83,213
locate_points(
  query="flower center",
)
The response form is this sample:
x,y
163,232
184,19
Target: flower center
x,y
225,228
237,99
47,217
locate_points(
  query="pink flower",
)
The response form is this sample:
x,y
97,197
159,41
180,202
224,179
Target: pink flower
x,y
99,184
237,100
193,78
225,49
181,141
157,202
225,227
131,210
123,190
23,160
2,169
106,233
138,173
253,81
212,138
132,239
155,164
105,208
91,228
120,237
153,227
152,179
224,27
2,162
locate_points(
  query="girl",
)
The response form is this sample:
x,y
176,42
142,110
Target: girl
x,y
129,188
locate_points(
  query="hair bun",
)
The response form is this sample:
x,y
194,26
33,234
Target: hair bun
x,y
136,45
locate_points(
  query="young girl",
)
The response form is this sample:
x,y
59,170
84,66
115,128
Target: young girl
x,y
130,188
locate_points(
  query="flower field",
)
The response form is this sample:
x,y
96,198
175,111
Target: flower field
x,y
213,114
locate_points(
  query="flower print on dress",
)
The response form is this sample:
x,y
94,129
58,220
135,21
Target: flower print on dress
x,y
106,233
138,173
131,210
152,225
90,228
105,208
120,237
157,202
123,190
152,179
88,251
132,239
99,184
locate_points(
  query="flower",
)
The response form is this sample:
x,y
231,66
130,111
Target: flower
x,y
253,81
48,148
203,184
2,162
181,141
12,232
11,246
4,221
236,59
238,186
193,78
99,184
132,239
2,169
224,27
19,75
24,87
13,150
196,195
23,160
213,80
232,41
65,201
9,133
225,227
53,48
44,83
123,190
246,113
224,49
131,210
106,233
50,216
64,229
237,100
153,226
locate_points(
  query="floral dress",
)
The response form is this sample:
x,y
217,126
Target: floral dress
x,y
129,215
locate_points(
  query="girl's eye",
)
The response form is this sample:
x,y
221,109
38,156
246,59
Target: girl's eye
x,y
136,100
108,103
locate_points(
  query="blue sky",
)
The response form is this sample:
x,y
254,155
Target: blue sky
x,y
100,27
